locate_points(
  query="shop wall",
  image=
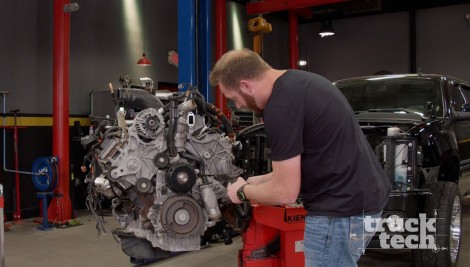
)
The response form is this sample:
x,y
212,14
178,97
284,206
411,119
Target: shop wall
x,y
365,45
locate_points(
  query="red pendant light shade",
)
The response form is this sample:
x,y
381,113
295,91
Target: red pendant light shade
x,y
144,61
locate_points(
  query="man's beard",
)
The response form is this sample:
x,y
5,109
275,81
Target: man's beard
x,y
251,104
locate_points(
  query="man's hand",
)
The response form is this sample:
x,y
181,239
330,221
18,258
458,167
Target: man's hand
x,y
233,188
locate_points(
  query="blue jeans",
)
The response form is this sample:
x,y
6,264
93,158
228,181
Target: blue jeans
x,y
336,242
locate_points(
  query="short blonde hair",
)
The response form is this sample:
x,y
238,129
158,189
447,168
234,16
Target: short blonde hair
x,y
237,65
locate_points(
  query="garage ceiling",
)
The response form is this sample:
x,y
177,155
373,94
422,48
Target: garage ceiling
x,y
356,8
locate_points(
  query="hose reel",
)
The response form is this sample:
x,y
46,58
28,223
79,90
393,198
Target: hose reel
x,y
45,172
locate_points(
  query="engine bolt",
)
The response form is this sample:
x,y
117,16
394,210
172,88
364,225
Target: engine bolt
x,y
182,177
181,217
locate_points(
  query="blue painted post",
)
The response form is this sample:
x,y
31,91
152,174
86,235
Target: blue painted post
x,y
186,43
204,48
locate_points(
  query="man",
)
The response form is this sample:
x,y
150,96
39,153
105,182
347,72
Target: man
x,y
318,153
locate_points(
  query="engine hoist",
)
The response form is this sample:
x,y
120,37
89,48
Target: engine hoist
x,y
274,237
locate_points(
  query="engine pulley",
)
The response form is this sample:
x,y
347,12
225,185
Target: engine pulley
x,y
182,216
149,123
161,160
143,185
152,123
180,177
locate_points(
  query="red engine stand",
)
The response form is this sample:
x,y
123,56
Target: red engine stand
x,y
268,223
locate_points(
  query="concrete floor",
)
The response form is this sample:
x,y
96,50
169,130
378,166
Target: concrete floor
x,y
80,246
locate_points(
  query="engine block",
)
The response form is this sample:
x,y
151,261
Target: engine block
x,y
166,171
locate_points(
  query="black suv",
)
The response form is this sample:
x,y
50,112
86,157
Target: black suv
x,y
419,127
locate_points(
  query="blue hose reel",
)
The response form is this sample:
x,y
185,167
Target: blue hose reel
x,y
44,175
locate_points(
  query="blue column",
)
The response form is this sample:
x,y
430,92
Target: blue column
x,y
187,43
204,47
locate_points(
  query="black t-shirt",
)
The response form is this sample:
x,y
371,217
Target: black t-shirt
x,y
307,115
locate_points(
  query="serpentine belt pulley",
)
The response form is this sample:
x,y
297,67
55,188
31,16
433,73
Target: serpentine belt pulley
x,y
143,185
181,216
45,172
161,160
180,177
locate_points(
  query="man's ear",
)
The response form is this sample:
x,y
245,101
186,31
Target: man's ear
x,y
245,87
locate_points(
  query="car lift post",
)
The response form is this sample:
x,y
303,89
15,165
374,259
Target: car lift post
x,y
2,230
17,212
268,225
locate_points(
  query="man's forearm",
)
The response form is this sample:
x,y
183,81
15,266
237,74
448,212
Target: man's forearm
x,y
281,186
260,179
268,193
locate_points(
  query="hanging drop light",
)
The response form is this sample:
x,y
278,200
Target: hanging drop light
x,y
144,61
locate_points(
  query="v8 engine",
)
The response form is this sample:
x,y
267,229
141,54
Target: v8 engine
x,y
165,170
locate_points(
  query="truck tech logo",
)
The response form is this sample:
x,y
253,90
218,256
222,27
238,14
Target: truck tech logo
x,y
404,233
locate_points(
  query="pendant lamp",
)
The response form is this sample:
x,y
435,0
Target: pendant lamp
x,y
326,29
144,61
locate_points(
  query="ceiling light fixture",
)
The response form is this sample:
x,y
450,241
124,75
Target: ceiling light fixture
x,y
144,61
326,29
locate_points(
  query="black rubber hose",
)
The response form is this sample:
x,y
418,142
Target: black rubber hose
x,y
138,99
111,129
211,109
227,125
200,101
112,135
172,124
102,124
